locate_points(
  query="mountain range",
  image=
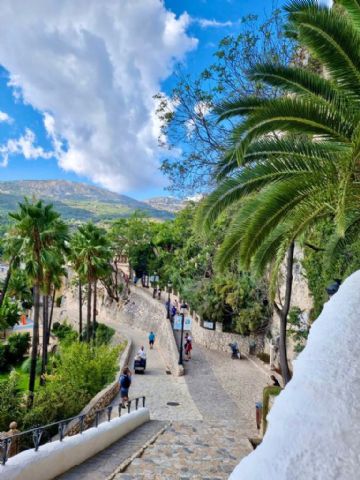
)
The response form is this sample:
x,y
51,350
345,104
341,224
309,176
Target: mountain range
x,y
77,202
170,204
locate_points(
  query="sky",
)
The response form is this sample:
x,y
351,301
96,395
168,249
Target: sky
x,y
77,81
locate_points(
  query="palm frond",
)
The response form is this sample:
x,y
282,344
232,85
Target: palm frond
x,y
240,107
300,81
331,38
352,8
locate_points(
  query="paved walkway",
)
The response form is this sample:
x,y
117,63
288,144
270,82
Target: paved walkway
x,y
225,390
210,425
158,387
196,451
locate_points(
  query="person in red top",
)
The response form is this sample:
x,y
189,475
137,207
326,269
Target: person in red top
x,y
188,346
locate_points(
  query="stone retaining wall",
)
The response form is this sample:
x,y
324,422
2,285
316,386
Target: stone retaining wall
x,y
217,340
102,399
145,313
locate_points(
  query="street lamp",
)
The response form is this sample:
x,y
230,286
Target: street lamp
x,y
183,309
168,302
154,287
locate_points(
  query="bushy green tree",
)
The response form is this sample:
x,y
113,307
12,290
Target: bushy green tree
x,y
18,345
9,314
82,370
292,160
187,113
64,332
10,401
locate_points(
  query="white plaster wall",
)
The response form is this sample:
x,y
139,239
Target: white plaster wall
x,y
313,427
57,457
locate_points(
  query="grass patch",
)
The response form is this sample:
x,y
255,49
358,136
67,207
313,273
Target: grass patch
x,y
23,382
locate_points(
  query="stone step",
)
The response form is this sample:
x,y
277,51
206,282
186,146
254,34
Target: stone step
x,y
196,451
105,463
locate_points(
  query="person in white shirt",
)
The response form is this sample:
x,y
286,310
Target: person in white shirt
x,y
141,353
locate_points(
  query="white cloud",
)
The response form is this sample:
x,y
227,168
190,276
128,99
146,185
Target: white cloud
x,y
206,23
25,145
202,109
4,117
94,66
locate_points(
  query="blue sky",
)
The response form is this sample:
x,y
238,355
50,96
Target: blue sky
x,y
76,86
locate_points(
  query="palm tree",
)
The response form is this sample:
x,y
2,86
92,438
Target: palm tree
x,y
91,248
40,235
294,159
75,246
11,249
54,272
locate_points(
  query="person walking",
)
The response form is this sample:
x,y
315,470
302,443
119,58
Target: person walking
x,y
188,346
125,382
151,340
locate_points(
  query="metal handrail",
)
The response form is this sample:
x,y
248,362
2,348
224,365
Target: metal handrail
x,y
37,432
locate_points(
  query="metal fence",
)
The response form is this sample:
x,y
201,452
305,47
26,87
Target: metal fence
x,y
40,435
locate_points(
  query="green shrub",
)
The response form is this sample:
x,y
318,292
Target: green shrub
x,y
4,365
264,357
58,301
267,393
10,401
9,314
18,345
81,372
64,332
103,333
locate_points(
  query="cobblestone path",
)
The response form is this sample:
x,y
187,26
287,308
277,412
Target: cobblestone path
x,y
199,451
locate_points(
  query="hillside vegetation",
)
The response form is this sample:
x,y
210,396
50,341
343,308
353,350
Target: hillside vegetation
x,y
76,202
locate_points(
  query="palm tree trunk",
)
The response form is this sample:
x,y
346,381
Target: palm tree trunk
x,y
283,314
51,314
6,283
35,343
80,309
45,338
88,318
94,310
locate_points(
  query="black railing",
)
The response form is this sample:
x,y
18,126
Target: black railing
x,y
37,436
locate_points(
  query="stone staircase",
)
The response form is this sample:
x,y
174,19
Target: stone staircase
x,y
196,451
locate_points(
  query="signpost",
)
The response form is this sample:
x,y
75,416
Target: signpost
x,y
208,325
187,323
177,322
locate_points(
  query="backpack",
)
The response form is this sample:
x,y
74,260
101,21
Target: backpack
x,y
125,381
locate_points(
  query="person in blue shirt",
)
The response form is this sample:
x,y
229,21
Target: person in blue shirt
x,y
151,340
